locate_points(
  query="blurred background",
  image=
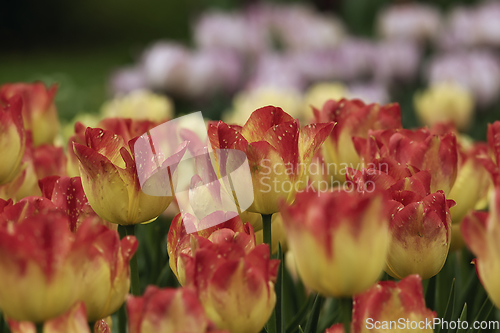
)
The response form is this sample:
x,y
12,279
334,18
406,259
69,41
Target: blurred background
x,y
225,57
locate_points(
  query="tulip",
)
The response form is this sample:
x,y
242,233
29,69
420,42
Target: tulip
x,y
421,222
470,190
110,180
387,302
179,241
445,102
353,119
68,196
41,267
318,94
139,104
12,139
421,149
106,281
339,239
481,233
37,163
421,236
278,151
167,310
235,287
73,321
39,111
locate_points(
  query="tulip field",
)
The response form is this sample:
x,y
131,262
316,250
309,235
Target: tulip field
x,y
331,183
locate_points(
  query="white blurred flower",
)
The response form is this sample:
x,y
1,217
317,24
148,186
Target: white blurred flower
x,y
177,70
413,21
396,60
301,28
247,34
472,26
276,70
127,79
478,71
369,93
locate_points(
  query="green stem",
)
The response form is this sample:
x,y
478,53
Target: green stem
x,y
267,236
2,323
135,282
122,319
39,328
346,311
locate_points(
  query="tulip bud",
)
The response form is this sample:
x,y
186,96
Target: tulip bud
x,y
68,196
279,153
470,189
353,119
12,139
179,241
421,235
106,281
421,149
339,239
42,267
39,111
110,181
481,233
445,102
236,288
139,104
167,310
387,302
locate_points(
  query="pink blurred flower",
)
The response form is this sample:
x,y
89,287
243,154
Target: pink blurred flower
x,y
478,71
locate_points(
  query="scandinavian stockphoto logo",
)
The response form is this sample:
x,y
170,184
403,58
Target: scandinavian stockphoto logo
x,y
176,159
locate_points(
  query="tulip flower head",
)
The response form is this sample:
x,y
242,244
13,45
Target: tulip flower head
x,y
235,286
279,153
39,111
12,139
387,302
481,232
110,180
167,310
339,239
354,118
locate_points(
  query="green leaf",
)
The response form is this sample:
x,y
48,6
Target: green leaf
x,y
312,321
483,314
294,324
463,318
449,305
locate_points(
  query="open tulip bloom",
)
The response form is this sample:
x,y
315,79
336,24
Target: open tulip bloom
x,y
150,224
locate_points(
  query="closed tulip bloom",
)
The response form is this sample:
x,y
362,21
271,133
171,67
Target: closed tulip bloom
x,y
167,310
73,321
388,301
420,224
481,232
179,241
445,102
339,240
39,111
110,181
106,280
471,188
279,153
353,119
420,148
12,139
41,268
235,287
